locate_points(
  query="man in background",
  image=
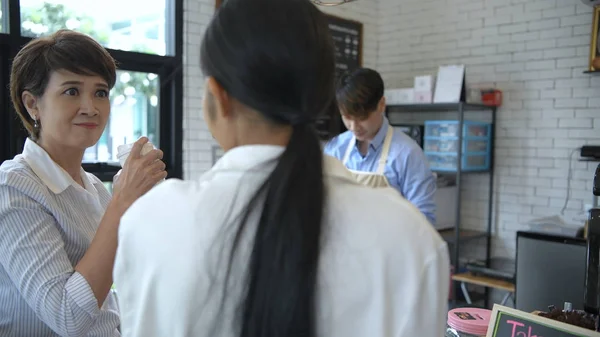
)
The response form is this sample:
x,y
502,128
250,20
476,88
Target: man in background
x,y
375,154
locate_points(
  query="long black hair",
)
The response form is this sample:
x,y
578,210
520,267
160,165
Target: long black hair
x,y
277,57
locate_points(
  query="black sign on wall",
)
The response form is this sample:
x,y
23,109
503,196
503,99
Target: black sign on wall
x,y
347,37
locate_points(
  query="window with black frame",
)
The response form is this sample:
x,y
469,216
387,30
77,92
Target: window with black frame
x,y
146,39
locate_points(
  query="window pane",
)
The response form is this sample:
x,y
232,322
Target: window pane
x,y
137,25
3,16
134,113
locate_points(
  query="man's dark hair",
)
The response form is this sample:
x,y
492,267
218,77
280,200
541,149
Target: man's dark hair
x,y
359,91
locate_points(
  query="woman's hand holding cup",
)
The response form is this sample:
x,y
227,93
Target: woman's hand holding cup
x,y
139,174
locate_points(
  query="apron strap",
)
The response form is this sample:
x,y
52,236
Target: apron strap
x,y
385,150
351,145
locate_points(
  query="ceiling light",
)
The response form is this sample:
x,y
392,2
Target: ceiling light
x,y
331,2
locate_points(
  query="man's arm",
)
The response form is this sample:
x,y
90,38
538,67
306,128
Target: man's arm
x,y
417,182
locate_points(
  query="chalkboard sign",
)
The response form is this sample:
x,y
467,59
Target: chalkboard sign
x,y
347,38
508,322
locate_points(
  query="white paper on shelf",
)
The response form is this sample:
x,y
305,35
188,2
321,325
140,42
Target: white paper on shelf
x,y
449,84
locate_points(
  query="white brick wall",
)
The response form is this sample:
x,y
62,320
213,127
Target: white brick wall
x,y
197,141
533,50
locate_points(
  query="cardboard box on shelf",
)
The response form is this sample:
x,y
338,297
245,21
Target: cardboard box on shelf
x,y
399,96
424,83
423,96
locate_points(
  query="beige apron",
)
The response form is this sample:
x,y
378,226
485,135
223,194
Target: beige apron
x,y
377,178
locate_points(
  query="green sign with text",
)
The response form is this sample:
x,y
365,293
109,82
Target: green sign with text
x,y
508,322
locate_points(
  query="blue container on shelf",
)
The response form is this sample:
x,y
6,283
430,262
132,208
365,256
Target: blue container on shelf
x,y
441,145
450,129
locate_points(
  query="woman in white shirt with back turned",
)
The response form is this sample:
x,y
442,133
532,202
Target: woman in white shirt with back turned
x,y
276,240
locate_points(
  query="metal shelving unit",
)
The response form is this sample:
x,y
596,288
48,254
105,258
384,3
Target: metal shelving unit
x,y
455,237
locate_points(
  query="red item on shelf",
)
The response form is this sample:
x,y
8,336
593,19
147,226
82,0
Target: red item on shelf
x,y
491,97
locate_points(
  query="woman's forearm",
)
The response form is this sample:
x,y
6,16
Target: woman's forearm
x,y
96,266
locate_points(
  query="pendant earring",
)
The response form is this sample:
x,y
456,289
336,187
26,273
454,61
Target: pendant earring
x,y
36,124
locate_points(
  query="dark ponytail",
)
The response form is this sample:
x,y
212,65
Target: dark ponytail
x,y
280,301
277,58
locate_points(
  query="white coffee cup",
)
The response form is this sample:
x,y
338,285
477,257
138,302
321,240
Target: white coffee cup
x,y
124,150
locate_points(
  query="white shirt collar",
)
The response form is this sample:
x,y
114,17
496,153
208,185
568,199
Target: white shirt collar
x,y
248,157
51,174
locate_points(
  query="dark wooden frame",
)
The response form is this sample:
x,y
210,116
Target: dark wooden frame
x,y
594,39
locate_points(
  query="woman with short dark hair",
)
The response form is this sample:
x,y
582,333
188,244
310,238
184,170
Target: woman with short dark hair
x,y
58,223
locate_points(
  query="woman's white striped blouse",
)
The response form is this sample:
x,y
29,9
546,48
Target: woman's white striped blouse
x,y
47,222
